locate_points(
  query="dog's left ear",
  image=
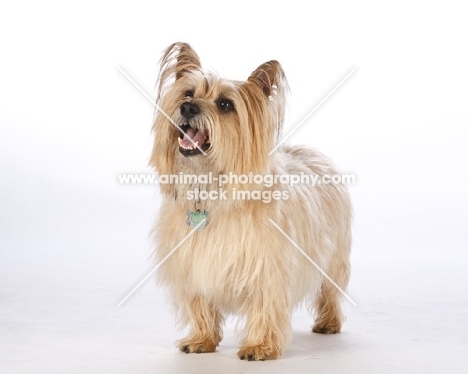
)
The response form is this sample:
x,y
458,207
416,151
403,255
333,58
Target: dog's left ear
x,y
269,77
271,80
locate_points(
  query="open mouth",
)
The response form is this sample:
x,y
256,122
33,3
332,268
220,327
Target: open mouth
x,y
199,140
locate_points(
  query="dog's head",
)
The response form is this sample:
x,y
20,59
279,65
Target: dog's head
x,y
205,121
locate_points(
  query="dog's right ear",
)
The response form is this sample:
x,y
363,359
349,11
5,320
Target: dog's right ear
x,y
187,59
177,60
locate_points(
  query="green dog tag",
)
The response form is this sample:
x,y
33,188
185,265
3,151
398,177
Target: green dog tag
x,y
196,217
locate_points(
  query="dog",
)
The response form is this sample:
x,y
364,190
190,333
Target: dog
x,y
247,257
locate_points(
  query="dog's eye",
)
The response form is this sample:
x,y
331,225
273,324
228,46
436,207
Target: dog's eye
x,y
225,105
189,93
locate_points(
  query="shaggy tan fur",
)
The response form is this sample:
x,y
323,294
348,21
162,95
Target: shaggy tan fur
x,y
240,263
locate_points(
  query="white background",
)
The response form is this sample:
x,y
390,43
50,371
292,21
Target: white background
x,y
74,242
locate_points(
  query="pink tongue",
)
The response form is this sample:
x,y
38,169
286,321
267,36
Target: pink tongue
x,y
196,135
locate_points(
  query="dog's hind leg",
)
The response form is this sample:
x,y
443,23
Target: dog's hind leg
x,y
327,307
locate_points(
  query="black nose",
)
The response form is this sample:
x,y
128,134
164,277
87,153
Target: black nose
x,y
188,110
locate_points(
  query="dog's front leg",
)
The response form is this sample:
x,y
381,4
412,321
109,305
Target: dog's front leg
x,y
268,328
205,327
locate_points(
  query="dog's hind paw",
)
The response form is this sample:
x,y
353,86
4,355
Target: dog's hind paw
x,y
326,329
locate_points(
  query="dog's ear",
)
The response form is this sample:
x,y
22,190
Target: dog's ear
x,y
270,78
178,59
187,59
270,86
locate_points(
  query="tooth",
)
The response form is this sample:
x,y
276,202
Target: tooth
x,y
179,139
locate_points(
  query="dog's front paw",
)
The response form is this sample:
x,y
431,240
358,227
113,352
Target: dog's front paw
x,y
197,346
258,352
